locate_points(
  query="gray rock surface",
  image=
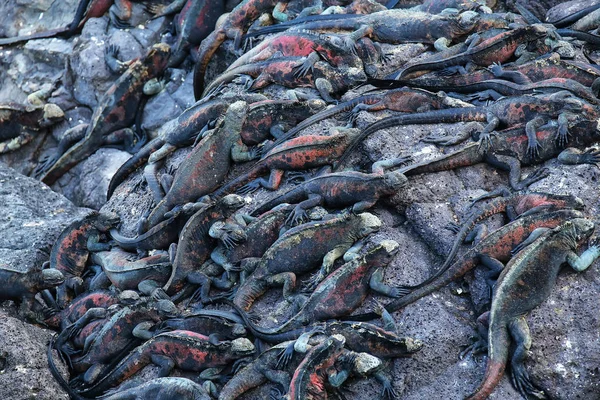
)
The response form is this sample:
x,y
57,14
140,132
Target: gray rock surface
x,y
563,359
24,373
31,218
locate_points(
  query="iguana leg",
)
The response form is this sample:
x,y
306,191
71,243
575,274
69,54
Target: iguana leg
x,y
242,153
530,239
150,173
325,90
388,391
573,156
165,363
307,65
513,166
485,137
120,13
173,8
93,243
533,145
363,205
143,330
280,377
285,279
513,76
494,267
519,330
272,184
477,234
16,143
376,283
581,263
380,166
327,266
299,213
480,345
69,138
111,54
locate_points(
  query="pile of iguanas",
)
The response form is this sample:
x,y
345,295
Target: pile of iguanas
x,y
180,293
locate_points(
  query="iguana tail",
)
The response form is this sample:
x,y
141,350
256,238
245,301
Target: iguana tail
x,y
499,342
136,161
57,376
207,48
253,69
315,22
342,107
292,196
448,115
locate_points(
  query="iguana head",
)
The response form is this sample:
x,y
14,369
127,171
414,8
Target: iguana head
x,y
233,202
157,58
394,181
369,223
107,220
52,115
242,346
383,252
166,308
574,231
51,278
583,228
365,364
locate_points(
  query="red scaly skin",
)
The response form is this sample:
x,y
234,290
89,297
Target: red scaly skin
x,y
116,110
115,336
402,100
204,169
497,245
300,153
497,49
182,132
525,283
188,351
288,256
308,382
265,114
282,71
79,306
195,22
299,44
195,244
234,26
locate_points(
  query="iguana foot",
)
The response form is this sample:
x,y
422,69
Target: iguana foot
x,y
444,140
301,70
249,188
533,148
313,282
562,135
452,227
388,391
44,166
521,381
534,177
479,346
591,156
277,393
485,142
285,356
298,216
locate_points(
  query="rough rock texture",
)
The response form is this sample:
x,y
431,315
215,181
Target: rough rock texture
x,y
24,373
564,359
31,218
